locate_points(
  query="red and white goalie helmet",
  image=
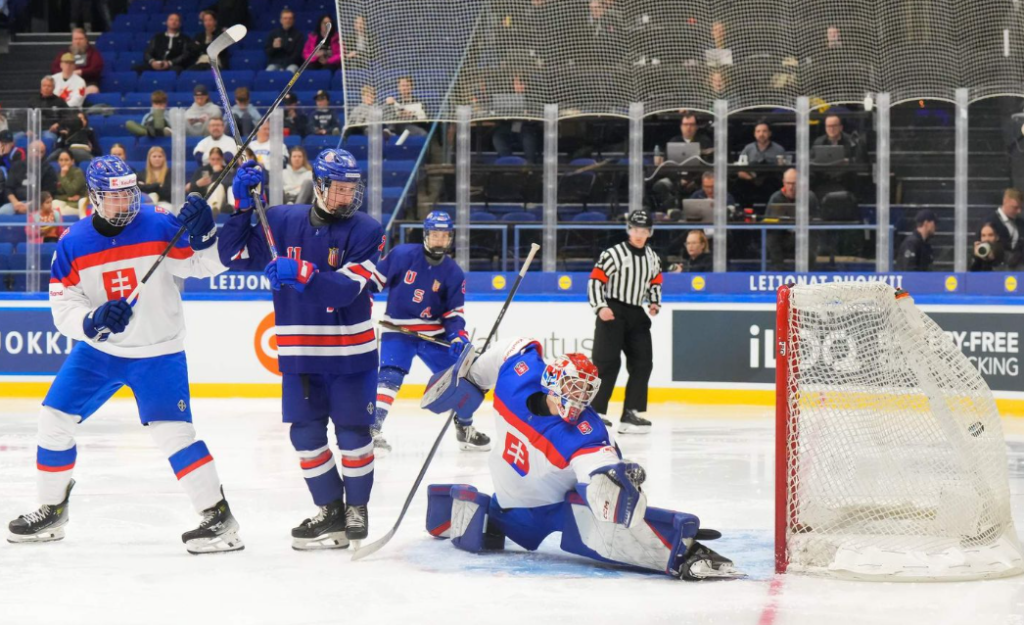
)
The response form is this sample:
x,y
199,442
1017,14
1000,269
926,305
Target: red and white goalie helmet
x,y
573,380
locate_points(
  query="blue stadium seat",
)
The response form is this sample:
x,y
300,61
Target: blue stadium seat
x,y
315,143
252,60
148,7
138,165
127,61
115,123
271,81
110,99
236,78
138,99
519,216
591,216
137,152
358,145
481,216
306,21
183,99
291,141
262,98
410,149
396,173
17,262
122,82
151,81
180,6
255,40
130,22
188,80
140,40
158,22
6,249
191,143
314,80
114,42
12,229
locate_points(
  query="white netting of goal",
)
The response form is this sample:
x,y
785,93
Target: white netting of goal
x,y
897,466
508,58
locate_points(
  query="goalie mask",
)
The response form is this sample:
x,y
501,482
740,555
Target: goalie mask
x,y
438,233
337,183
573,380
113,190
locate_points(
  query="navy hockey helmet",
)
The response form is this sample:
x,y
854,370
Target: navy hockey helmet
x,y
337,182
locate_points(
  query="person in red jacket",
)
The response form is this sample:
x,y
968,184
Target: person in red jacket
x,y
88,61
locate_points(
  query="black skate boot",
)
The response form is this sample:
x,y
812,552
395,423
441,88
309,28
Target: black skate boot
x,y
217,532
471,440
42,526
633,423
357,521
381,447
326,530
698,563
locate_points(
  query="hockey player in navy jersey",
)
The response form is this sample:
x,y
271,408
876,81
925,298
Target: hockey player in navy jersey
x,y
556,468
426,295
327,349
96,268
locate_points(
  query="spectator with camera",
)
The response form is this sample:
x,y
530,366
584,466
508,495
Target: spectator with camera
x,y
1009,227
988,250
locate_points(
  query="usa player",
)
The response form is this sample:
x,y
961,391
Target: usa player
x,y
426,294
557,469
327,349
95,269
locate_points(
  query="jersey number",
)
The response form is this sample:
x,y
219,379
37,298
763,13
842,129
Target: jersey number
x,y
294,253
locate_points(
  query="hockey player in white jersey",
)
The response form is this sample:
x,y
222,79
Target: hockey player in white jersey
x,y
140,344
556,468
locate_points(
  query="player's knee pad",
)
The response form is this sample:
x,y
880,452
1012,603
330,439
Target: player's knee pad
x,y
171,436
56,429
308,435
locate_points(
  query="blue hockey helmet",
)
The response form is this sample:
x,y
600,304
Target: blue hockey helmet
x,y
113,190
337,182
438,222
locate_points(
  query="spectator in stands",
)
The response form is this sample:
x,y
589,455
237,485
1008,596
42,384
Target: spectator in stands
x,y
119,151
154,123
604,25
198,58
833,38
216,138
198,116
261,146
203,177
9,153
915,253
1009,226
45,215
527,135
298,178
330,57
322,120
16,188
707,191
360,115
88,61
246,115
781,244
834,135
988,250
719,54
669,189
295,121
697,258
405,108
52,105
75,134
70,198
155,180
755,187
284,45
231,12
67,84
357,55
169,50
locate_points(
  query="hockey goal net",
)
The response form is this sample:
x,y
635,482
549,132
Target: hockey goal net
x,y
890,460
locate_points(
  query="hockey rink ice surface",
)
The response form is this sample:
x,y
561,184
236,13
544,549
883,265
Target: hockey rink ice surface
x,y
123,561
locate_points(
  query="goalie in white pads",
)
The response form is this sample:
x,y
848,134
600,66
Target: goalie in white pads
x,y
556,468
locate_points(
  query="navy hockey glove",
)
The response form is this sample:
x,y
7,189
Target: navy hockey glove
x,y
197,217
111,317
286,271
248,177
457,343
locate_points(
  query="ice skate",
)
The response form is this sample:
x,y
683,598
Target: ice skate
x,y
381,447
471,440
217,532
356,523
633,423
42,526
326,530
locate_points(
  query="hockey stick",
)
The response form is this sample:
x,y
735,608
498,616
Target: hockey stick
x,y
234,161
377,545
228,37
403,330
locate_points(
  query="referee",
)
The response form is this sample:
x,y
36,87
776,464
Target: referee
x,y
625,276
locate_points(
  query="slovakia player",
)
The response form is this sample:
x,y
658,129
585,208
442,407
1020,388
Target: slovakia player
x,y
426,294
557,469
327,349
97,265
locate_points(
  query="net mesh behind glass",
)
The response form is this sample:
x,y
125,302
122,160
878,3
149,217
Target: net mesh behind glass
x,y
598,56
896,457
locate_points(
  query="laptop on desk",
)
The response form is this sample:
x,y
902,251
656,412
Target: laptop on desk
x,y
780,212
828,154
700,211
683,153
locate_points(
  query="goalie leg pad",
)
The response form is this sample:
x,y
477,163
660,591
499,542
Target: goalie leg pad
x,y
439,509
469,521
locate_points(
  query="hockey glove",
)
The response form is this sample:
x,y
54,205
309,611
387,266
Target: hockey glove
x,y
457,343
110,318
198,220
248,178
612,497
286,271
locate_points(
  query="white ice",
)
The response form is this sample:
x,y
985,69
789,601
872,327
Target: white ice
x,y
123,561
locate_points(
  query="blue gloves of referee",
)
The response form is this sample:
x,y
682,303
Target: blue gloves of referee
x,y
287,271
248,177
197,217
110,318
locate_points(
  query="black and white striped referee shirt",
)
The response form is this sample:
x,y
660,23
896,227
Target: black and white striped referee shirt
x,y
626,274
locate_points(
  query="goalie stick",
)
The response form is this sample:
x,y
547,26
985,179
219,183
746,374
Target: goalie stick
x,y
375,546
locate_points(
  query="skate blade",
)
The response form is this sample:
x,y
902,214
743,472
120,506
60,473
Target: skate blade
x,y
705,570
333,540
629,428
218,544
48,536
472,447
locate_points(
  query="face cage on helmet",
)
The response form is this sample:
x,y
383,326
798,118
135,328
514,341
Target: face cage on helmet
x,y
123,217
434,250
321,189
574,391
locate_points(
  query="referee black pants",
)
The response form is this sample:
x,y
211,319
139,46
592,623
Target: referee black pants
x,y
629,332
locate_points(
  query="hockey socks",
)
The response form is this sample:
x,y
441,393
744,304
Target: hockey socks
x,y
56,455
356,463
389,381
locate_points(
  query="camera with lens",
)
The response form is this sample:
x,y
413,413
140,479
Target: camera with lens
x,y
983,250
